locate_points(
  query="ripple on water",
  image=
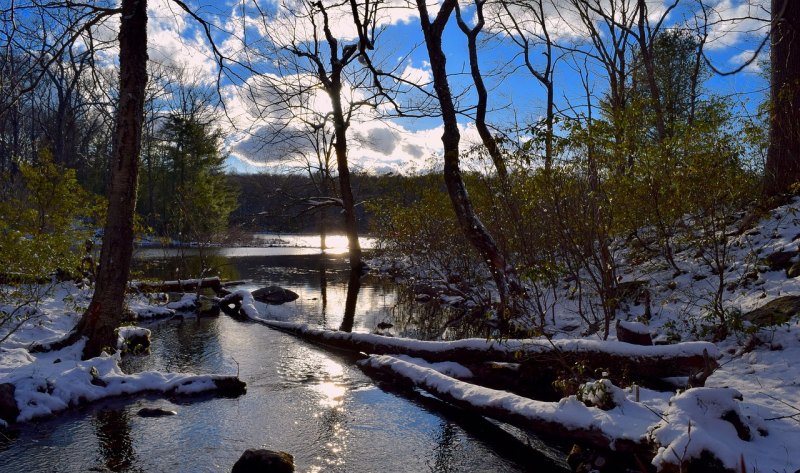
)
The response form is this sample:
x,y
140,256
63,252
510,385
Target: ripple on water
x,y
301,399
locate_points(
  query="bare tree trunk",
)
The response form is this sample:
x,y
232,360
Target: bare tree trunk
x,y
105,311
348,202
647,59
480,89
783,154
503,274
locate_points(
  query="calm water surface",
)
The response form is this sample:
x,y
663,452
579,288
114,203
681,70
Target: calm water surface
x,y
315,404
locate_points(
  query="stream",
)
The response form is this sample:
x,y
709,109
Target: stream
x,y
315,404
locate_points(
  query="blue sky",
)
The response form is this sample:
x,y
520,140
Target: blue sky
x,y
385,145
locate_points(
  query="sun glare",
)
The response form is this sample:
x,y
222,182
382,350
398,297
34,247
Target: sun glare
x,y
332,394
336,243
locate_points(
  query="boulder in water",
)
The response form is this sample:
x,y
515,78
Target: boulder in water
x,y
155,412
274,295
264,461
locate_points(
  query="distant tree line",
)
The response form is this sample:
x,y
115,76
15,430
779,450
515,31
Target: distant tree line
x,y
279,202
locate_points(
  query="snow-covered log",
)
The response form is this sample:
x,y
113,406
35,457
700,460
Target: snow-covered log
x,y
51,382
633,362
180,285
622,429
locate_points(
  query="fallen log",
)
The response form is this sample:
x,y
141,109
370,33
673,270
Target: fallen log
x,y
180,285
539,360
623,430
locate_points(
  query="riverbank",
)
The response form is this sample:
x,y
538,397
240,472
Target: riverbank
x,y
316,405
758,366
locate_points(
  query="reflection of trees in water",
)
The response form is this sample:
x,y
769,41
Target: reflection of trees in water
x,y
115,442
323,285
353,286
191,264
430,320
191,344
330,275
445,457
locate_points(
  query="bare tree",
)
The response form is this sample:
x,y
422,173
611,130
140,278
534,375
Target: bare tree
x,y
503,274
526,25
312,58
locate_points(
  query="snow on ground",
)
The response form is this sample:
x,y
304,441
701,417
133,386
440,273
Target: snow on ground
x,y
56,310
47,383
759,377
763,367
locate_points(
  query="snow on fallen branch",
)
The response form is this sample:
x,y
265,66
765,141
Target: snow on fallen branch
x,y
50,382
637,362
180,285
622,429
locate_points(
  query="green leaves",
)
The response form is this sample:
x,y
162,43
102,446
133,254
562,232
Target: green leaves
x,y
43,228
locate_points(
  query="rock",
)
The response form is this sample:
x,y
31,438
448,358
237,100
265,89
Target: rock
x,y
232,305
264,461
8,404
775,312
780,260
633,332
133,340
155,412
274,295
230,386
99,382
793,271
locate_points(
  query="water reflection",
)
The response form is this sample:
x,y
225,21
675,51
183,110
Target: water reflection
x,y
115,444
192,342
301,399
321,280
353,286
323,287
328,380
331,394
333,435
446,450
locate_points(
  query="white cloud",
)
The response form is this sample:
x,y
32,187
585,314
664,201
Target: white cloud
x,y
733,21
290,21
265,140
417,76
562,20
174,39
744,57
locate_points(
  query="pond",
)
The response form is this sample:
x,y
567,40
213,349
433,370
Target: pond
x,y
315,404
